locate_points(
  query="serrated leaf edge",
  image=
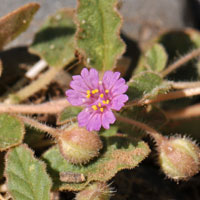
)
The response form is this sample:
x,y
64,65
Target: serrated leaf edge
x,y
23,133
82,53
37,6
89,180
31,50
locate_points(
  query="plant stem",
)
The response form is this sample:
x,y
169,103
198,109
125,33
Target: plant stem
x,y
188,112
36,69
34,87
175,95
169,96
152,132
180,62
52,131
184,85
52,107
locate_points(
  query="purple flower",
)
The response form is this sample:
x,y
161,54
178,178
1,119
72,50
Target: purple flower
x,y
98,97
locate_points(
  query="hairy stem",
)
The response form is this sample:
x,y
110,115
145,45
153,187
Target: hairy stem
x,y
52,107
52,131
184,85
188,112
34,87
180,62
152,132
174,95
169,96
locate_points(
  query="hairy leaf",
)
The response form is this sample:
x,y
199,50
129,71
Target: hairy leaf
x,y
120,153
155,59
11,131
146,85
26,176
54,42
16,22
68,114
194,36
177,44
97,36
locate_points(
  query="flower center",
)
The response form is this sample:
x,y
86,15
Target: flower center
x,y
100,101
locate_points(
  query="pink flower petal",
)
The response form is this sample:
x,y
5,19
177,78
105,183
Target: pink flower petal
x,y
94,123
109,79
94,78
91,78
78,84
83,117
120,87
107,119
74,97
118,101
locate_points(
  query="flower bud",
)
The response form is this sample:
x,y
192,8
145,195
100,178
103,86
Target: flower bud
x,y
79,145
179,158
95,191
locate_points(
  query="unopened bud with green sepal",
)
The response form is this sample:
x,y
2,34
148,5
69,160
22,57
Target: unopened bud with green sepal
x,y
179,158
78,145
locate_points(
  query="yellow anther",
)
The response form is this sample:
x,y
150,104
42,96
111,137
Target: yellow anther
x,y
95,91
88,96
101,95
104,102
99,104
88,91
94,107
107,91
101,109
107,101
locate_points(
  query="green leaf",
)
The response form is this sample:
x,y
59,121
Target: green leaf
x,y
54,42
146,85
26,176
119,153
156,58
68,114
98,39
194,36
177,44
11,131
16,22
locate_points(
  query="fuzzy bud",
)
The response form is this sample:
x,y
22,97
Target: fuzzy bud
x,y
95,191
79,145
179,158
